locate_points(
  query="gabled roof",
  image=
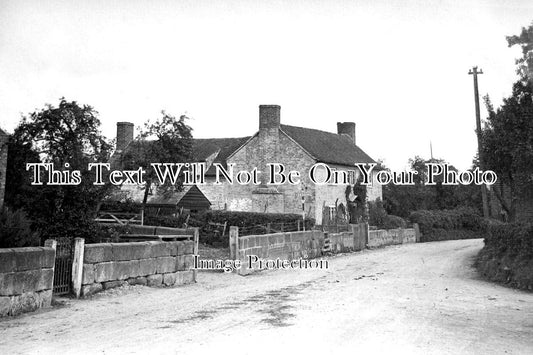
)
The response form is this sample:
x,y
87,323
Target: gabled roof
x,y
203,148
327,147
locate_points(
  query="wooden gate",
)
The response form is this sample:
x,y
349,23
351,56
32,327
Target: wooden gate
x,y
63,266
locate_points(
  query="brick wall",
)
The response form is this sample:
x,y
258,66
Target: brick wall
x,y
26,279
109,265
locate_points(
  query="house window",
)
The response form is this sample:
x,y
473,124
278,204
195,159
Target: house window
x,y
332,213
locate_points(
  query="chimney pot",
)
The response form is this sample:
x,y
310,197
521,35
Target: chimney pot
x,y
347,128
269,116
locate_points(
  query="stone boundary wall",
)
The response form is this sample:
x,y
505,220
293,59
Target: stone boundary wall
x,y
26,279
379,238
354,240
311,244
153,263
285,246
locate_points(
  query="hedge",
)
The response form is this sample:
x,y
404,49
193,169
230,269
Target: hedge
x,y
460,223
507,256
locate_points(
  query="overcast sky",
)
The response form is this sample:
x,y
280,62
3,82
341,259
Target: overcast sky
x,y
396,68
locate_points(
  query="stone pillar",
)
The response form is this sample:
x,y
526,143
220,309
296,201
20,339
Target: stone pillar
x,y
233,242
417,232
195,250
367,233
51,243
4,138
77,266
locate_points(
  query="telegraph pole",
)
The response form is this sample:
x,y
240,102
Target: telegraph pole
x,y
474,71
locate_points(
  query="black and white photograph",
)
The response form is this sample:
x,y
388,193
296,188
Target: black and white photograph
x,y
266,177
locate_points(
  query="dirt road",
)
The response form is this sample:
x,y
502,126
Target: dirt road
x,y
412,299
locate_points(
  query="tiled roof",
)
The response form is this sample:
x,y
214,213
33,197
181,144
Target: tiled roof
x,y
327,147
203,148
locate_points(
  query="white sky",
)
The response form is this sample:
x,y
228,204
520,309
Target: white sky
x,y
396,68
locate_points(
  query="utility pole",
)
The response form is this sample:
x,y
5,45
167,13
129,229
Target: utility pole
x,y
474,71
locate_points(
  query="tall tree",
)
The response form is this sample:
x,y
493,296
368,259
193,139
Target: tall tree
x,y
69,137
508,144
167,140
525,41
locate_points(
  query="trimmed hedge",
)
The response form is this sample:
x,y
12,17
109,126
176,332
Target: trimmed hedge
x,y
460,223
507,256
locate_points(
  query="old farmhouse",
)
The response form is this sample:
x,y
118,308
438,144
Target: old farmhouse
x,y
297,148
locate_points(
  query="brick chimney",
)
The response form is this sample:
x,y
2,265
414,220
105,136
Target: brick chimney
x,y
347,128
124,134
269,116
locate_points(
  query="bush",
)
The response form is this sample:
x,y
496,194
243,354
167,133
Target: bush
x,y
377,216
507,256
460,223
108,233
15,230
127,205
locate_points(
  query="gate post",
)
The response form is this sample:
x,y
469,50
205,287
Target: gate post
x,y
367,233
52,243
195,250
77,266
233,242
417,232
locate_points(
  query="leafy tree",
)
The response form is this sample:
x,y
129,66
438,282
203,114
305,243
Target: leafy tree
x,y
66,134
15,229
401,200
525,41
171,142
508,144
18,181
